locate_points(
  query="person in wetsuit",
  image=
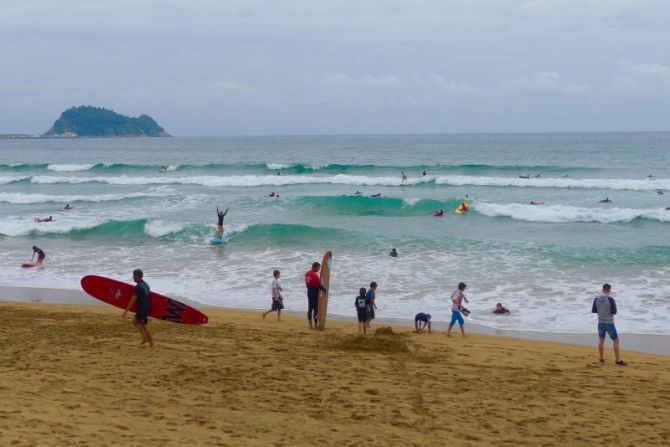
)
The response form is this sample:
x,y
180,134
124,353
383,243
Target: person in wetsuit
x,y
219,226
313,284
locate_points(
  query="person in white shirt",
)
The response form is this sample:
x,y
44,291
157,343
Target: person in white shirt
x,y
277,298
457,299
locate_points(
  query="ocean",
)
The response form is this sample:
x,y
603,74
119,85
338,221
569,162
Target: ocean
x,y
544,262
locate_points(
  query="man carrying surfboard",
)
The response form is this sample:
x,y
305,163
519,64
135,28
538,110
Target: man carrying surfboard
x,y
313,283
219,227
141,297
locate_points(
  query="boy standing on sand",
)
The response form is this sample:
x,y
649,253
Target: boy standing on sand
x,y
313,283
141,296
362,304
371,297
457,299
277,298
605,306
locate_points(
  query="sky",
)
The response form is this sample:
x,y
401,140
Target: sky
x,y
278,67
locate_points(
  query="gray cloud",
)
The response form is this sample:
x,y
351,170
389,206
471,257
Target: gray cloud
x,y
286,66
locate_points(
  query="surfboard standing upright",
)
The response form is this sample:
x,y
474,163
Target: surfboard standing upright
x,y
118,294
322,305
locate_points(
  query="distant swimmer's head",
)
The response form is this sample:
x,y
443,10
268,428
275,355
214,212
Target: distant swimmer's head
x,y
606,288
138,274
276,273
498,306
316,266
362,291
461,286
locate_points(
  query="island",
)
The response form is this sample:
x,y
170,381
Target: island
x,y
88,121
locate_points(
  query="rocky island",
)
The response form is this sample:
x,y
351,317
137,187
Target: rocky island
x,y
88,121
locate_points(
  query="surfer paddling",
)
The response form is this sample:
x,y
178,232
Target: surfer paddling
x,y
219,227
141,297
313,283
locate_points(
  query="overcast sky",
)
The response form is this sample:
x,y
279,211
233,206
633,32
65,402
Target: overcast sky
x,y
228,67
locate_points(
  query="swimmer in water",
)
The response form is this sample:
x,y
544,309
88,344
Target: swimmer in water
x,y
500,309
438,213
606,200
357,193
376,195
68,207
393,253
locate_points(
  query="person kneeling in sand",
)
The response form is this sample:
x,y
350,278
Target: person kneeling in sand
x,y
277,298
500,309
421,322
141,296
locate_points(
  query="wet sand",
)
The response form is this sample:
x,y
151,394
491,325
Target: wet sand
x,y
76,375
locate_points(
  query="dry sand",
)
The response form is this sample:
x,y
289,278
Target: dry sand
x,y
75,375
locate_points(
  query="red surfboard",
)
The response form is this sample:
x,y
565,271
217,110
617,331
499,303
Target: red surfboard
x,y
118,294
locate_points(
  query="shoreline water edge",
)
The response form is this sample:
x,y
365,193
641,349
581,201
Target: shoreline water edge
x,y
645,343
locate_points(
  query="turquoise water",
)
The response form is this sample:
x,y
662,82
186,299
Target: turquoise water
x,y
545,262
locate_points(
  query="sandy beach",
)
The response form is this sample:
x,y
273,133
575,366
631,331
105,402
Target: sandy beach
x,y
76,375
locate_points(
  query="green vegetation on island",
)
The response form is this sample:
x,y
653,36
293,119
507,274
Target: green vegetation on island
x,y
88,121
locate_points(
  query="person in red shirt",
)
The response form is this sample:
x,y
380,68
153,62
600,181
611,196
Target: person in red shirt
x,y
313,283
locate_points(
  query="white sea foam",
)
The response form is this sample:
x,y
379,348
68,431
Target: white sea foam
x,y
6,179
172,167
69,167
565,213
275,166
20,198
234,180
615,184
411,202
159,228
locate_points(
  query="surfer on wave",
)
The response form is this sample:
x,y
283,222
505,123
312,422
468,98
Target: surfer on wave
x,y
220,215
40,220
438,213
606,200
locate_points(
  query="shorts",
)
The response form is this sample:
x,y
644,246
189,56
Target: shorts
x,y
362,316
456,316
608,328
277,304
142,318
371,314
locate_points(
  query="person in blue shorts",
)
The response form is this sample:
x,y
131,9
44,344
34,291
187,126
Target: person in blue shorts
x,y
457,299
421,322
605,306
